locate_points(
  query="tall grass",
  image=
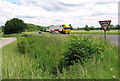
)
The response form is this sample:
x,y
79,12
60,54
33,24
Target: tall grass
x,y
17,66
47,49
42,59
105,69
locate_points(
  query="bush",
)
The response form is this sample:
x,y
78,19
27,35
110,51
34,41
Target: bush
x,y
82,48
22,45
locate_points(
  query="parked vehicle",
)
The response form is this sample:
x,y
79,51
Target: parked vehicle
x,y
40,32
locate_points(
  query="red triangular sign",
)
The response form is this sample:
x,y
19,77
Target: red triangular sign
x,y
105,24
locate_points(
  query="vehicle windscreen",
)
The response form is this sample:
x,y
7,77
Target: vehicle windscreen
x,y
67,28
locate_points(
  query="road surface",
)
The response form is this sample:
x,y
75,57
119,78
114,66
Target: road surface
x,y
6,41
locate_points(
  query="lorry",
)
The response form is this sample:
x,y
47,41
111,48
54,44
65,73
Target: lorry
x,y
65,29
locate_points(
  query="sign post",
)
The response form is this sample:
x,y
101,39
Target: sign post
x,y
105,35
105,24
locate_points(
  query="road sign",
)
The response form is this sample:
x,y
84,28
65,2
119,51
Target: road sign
x,y
105,24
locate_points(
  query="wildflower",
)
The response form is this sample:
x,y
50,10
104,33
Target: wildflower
x,y
114,76
111,69
15,65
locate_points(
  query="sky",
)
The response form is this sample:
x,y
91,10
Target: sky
x,y
78,13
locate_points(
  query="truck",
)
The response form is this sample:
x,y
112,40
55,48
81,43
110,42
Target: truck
x,y
65,29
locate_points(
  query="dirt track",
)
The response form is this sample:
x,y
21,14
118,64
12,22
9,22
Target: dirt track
x,y
6,41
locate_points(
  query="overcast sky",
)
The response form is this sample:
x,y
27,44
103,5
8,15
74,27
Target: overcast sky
x,y
48,12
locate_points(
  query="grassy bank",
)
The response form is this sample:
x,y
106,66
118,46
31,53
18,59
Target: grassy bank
x,y
111,32
23,33
43,55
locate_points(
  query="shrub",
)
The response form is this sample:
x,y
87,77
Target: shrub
x,y
81,48
22,45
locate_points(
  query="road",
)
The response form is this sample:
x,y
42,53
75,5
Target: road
x,y
6,41
112,38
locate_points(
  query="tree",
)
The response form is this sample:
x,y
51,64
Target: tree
x,y
78,28
117,26
14,25
31,27
87,28
101,28
111,27
2,27
71,27
92,28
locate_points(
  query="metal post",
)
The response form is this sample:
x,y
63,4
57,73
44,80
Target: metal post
x,y
105,36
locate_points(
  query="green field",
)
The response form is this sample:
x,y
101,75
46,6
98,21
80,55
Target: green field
x,y
111,32
40,57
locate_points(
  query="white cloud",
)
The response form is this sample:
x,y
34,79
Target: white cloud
x,y
47,12
86,1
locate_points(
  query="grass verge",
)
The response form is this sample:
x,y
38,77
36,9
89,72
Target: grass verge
x,y
111,32
12,35
42,59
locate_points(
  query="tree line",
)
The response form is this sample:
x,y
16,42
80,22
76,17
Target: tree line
x,y
16,25
111,27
